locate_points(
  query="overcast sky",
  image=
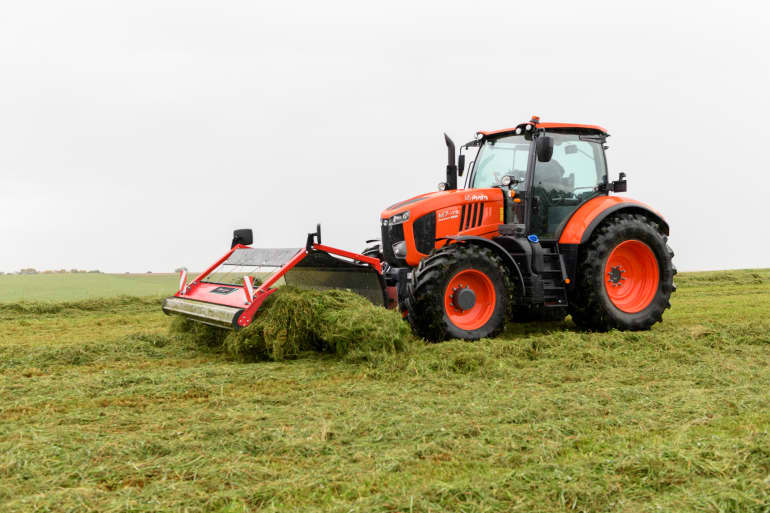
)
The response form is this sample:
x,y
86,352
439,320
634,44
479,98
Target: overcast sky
x,y
136,135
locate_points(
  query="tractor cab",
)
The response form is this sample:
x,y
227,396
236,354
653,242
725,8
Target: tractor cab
x,y
546,170
534,230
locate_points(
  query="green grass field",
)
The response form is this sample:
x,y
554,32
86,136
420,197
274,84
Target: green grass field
x,y
103,411
69,287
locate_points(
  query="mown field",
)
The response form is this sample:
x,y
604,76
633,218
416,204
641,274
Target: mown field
x,y
102,410
74,286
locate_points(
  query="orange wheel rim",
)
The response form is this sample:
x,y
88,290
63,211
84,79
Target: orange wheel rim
x,y
631,276
459,312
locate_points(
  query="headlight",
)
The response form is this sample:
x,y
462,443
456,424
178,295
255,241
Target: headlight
x,y
506,180
399,249
397,219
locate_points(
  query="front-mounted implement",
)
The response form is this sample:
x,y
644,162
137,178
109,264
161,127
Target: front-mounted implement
x,y
226,294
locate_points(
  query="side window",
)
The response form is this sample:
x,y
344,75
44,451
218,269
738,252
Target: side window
x,y
583,162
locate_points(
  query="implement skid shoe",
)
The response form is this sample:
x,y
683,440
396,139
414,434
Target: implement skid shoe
x,y
224,295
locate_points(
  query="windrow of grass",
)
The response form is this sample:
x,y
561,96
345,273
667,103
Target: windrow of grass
x,y
293,321
27,309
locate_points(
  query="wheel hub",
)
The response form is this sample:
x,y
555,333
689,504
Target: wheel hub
x,y
463,298
469,299
615,276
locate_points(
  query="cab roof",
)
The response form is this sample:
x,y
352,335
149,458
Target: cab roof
x,y
537,124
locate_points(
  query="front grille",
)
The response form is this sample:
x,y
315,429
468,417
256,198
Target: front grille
x,y
390,235
424,230
471,215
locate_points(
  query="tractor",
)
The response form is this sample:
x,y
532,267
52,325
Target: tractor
x,y
535,234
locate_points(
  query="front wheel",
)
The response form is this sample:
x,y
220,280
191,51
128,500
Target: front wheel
x,y
460,291
626,276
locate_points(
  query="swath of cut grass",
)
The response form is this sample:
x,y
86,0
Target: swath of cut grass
x,y
103,411
196,333
292,321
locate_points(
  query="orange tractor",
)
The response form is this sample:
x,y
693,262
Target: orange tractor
x,y
535,234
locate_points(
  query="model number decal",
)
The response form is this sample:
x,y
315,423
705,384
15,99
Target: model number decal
x,y
448,213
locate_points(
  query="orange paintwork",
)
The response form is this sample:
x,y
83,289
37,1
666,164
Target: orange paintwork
x,y
583,216
448,206
632,276
476,316
546,126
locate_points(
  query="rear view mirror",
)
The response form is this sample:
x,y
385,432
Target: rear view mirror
x,y
544,148
460,164
243,236
619,185
570,149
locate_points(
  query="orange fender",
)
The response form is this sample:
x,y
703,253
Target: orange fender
x,y
583,221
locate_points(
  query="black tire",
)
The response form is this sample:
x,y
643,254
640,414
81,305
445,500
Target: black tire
x,y
429,281
590,305
374,251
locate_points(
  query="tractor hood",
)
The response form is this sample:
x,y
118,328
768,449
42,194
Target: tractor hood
x,y
411,227
432,201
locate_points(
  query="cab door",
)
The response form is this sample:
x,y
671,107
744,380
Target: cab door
x,y
576,173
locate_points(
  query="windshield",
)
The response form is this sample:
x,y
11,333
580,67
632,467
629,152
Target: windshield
x,y
501,157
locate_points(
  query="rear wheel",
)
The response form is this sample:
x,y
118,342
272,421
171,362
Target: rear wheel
x,y
626,276
461,291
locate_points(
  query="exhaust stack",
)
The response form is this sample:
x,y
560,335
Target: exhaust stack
x,y
451,167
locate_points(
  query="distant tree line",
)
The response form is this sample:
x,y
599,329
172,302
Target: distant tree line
x,y
32,270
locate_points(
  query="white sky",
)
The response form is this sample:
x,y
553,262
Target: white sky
x,y
136,135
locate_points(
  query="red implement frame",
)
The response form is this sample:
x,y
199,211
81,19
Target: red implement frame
x,y
264,290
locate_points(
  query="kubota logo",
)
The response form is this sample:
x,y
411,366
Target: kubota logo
x,y
476,197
